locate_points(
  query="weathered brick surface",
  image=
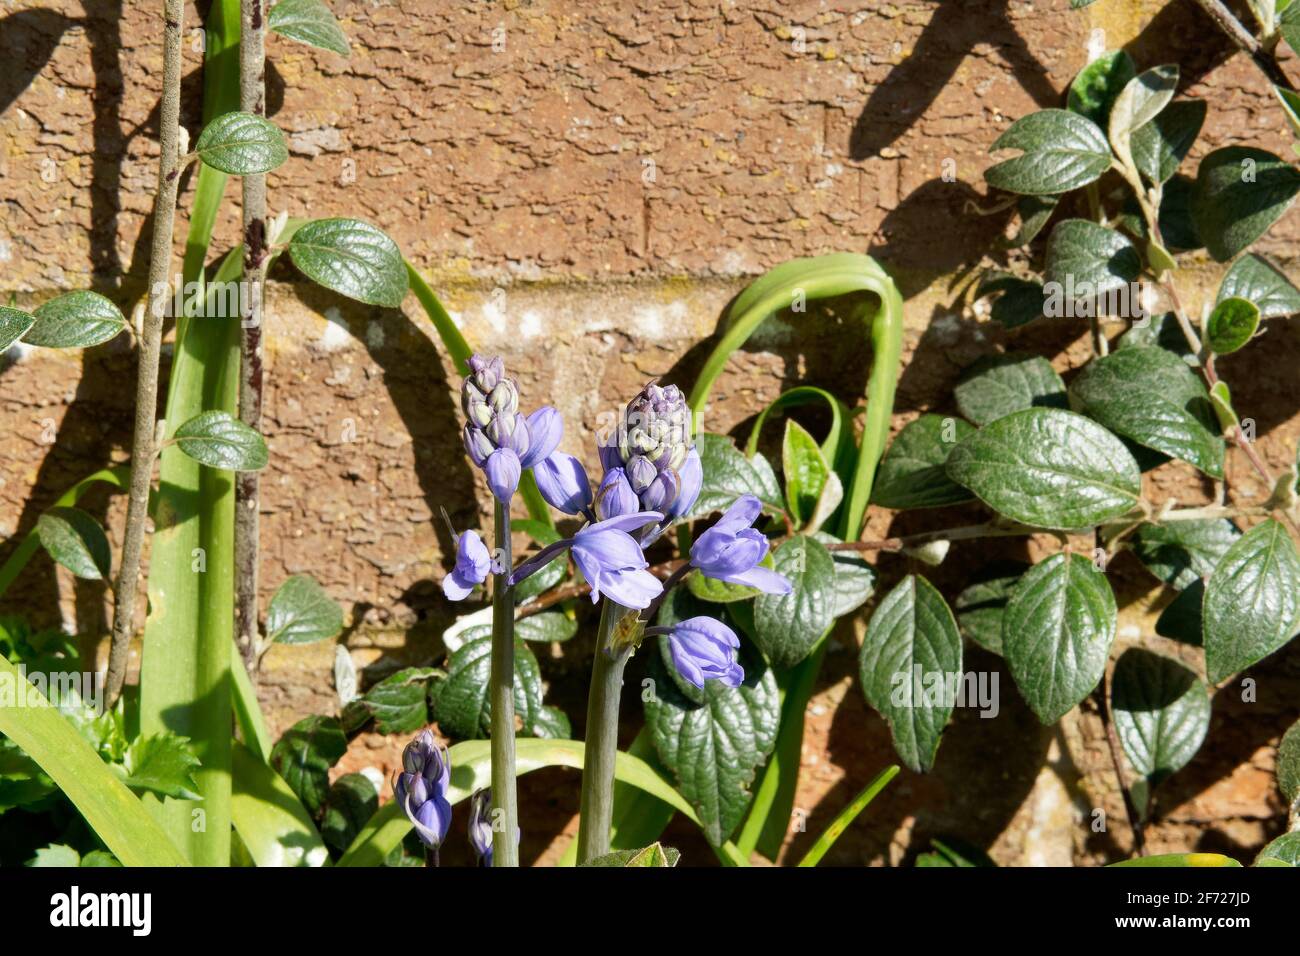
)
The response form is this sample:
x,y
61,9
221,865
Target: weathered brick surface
x,y
587,199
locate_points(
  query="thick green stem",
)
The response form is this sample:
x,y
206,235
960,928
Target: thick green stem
x,y
505,806
597,808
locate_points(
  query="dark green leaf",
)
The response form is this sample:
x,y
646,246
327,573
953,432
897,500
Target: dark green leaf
x,y
1162,331
1285,849
715,747
163,764
1240,192
352,801
728,474
242,144
652,856
1048,467
352,258
399,702
310,22
981,605
460,701
1086,261
806,471
1180,552
855,579
1001,384
1138,104
1231,325
1160,146
1019,301
1252,600
551,723
1150,395
1056,633
304,755
1034,212
910,659
301,612
75,320
1095,87
75,540
546,627
1288,765
912,472
1254,278
1060,151
1161,712
1181,618
219,440
13,323
788,625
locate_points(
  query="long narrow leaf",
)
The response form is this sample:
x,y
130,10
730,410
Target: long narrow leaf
x,y
248,712
111,810
847,816
270,818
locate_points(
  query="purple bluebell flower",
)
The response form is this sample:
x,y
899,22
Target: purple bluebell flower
x,y
497,437
480,826
611,560
653,448
421,788
563,482
703,649
731,550
473,563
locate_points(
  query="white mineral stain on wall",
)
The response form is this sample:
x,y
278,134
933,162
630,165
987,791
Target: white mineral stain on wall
x,y
336,334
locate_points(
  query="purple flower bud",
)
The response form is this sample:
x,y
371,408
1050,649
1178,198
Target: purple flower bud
x,y
486,373
731,550
662,492
477,445
545,429
703,649
563,482
612,562
473,562
502,470
421,788
504,398
692,479
640,473
480,826
615,497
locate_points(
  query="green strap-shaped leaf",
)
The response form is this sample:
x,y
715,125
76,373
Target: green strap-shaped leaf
x,y
352,258
1240,192
309,22
910,668
1001,384
75,540
1252,601
74,321
218,439
1056,633
1151,396
1061,151
301,612
1161,712
1048,467
274,825
912,472
242,144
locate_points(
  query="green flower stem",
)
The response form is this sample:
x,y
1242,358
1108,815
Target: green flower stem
x,y
505,804
597,807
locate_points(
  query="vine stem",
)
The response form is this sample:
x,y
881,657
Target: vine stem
x,y
597,804
505,804
252,99
1102,697
146,386
1246,42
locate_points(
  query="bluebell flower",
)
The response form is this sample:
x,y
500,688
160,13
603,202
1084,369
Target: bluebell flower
x,y
421,788
731,550
563,483
703,649
497,437
653,450
609,558
473,563
480,826
615,497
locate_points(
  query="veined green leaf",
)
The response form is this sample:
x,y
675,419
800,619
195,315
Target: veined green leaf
x,y
1240,192
352,258
75,320
1255,278
75,540
1138,104
1002,384
1089,261
912,472
301,612
13,324
1061,151
1094,88
309,22
1181,552
1161,712
242,144
218,439
1160,146
1231,325
788,626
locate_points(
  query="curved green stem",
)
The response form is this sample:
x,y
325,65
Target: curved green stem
x,y
597,806
505,849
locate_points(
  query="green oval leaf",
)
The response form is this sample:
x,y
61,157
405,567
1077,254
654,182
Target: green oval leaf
x,y
1160,146
1253,277
1056,633
982,603
545,628
1086,261
912,472
1142,98
786,626
806,471
304,755
352,258
75,540
1285,849
1231,325
301,612
728,474
242,143
309,22
1048,467
460,702
75,320
1060,151
910,660
1288,765
1094,88
398,703
1182,552
1240,192
1149,395
1001,384
219,440
1252,600
1161,712
13,324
